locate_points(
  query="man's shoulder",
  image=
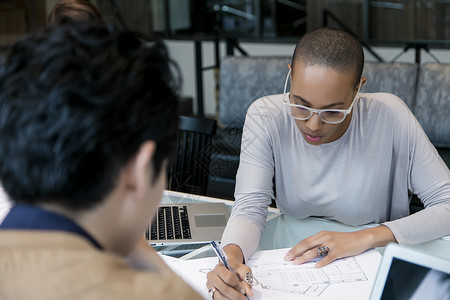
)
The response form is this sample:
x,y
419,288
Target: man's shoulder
x,y
160,286
93,274
122,282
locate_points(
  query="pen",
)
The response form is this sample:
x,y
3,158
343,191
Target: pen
x,y
223,259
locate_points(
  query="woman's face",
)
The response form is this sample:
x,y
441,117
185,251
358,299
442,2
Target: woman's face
x,y
320,87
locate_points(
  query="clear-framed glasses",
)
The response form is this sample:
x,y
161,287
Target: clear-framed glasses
x,y
330,116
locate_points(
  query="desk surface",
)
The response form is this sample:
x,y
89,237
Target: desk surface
x,y
283,231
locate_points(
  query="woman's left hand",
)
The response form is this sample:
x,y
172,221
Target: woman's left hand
x,y
339,244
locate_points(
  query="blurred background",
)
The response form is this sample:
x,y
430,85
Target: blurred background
x,y
200,32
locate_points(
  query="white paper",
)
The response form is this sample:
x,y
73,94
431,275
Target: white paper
x,y
347,278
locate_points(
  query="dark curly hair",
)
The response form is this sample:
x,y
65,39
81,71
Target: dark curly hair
x,y
76,103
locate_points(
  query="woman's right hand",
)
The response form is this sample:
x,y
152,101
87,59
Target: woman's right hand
x,y
230,284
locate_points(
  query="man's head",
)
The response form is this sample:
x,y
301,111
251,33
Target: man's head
x,y
75,10
77,105
325,74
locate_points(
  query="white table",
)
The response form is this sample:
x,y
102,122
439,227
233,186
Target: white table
x,y
282,231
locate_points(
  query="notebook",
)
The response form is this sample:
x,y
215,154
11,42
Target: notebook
x,y
187,224
405,273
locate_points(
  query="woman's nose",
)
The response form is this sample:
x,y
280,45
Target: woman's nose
x,y
314,123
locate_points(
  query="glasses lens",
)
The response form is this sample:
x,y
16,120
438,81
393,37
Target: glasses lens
x,y
300,113
332,116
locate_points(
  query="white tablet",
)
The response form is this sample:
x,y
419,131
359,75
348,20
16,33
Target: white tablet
x,y
405,273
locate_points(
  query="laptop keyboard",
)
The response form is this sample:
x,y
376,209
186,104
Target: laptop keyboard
x,y
170,223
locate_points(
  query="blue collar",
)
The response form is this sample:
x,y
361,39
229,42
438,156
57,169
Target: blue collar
x,y
29,217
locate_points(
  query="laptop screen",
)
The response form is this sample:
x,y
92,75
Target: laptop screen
x,y
410,281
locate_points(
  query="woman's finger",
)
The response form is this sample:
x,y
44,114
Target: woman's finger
x,y
307,256
326,260
246,276
305,245
226,283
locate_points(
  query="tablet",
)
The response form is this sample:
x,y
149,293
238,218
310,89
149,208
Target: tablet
x,y
405,273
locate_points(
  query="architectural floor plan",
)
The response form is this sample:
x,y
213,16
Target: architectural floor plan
x,y
302,279
347,278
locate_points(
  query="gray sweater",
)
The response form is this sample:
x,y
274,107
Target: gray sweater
x,y
363,177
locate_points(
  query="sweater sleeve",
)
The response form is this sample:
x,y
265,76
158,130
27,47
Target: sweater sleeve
x,y
254,183
429,179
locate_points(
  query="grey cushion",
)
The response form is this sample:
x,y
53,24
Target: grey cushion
x,y
432,108
395,78
245,79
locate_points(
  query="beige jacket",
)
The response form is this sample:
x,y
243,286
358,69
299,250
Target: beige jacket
x,y
56,265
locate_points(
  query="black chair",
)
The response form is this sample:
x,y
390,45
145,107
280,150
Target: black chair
x,y
190,169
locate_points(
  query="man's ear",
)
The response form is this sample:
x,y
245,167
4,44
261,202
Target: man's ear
x,y
140,173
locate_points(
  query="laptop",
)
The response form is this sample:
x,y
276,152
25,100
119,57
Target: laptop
x,y
405,273
188,223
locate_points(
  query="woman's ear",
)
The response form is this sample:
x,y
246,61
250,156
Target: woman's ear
x,y
363,81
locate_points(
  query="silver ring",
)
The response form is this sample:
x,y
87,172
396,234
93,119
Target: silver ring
x,y
323,250
249,278
211,292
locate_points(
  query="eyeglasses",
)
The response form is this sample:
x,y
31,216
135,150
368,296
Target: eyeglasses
x,y
330,116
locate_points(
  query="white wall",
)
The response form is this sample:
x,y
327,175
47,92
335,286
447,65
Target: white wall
x,y
183,53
